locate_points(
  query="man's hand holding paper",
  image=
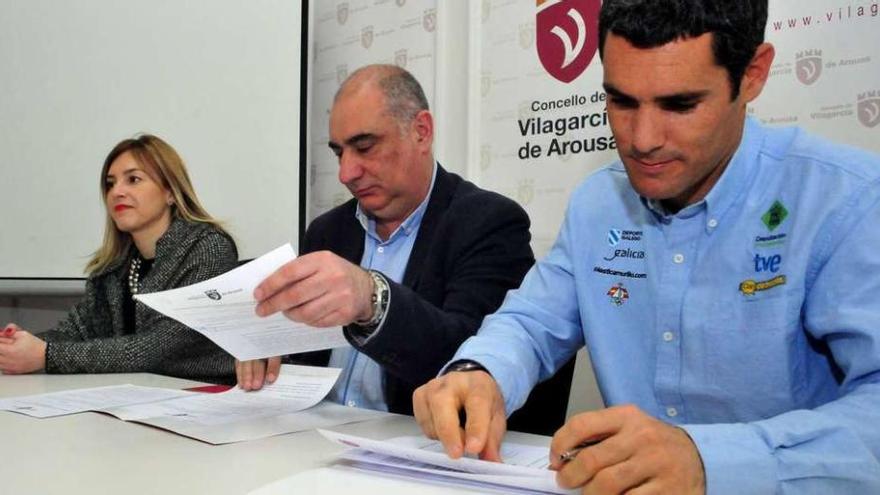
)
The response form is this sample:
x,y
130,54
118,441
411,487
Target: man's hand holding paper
x,y
318,289
224,310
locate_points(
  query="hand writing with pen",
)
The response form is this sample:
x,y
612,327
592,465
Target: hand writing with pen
x,y
620,449
624,450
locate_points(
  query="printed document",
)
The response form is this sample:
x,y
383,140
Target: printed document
x,y
288,405
524,470
223,309
88,399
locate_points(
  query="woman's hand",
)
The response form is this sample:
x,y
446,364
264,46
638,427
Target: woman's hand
x,y
20,351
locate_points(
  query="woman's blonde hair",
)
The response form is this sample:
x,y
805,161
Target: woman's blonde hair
x,y
163,165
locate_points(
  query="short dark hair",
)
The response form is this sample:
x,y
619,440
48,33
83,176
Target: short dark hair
x,y
737,27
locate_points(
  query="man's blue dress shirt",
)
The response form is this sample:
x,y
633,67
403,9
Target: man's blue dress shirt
x,y
751,318
361,382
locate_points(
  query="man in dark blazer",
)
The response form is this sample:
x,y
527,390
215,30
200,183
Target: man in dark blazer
x,y
410,266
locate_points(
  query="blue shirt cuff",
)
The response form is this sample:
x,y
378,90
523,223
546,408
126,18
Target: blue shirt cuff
x,y
513,391
736,459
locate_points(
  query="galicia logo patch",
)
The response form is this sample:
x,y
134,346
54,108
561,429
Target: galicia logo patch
x,y
618,294
625,253
614,236
567,35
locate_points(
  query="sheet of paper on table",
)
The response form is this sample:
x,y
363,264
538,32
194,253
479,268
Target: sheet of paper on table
x,y
524,470
292,403
289,405
67,402
223,309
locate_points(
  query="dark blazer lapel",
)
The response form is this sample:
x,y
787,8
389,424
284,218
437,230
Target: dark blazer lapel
x,y
441,195
350,236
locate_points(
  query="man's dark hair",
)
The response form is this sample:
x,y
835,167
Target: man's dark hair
x,y
737,27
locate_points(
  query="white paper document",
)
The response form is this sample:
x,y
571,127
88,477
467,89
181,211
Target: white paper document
x,y
524,470
224,310
297,388
90,399
292,403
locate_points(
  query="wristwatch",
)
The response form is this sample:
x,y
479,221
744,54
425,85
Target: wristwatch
x,y
465,365
379,300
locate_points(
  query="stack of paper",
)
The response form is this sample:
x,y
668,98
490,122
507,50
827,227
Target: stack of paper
x,y
524,470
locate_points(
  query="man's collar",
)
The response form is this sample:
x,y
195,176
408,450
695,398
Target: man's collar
x,y
733,181
409,225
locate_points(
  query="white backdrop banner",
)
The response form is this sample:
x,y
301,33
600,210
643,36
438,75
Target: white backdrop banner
x,y
826,76
543,120
543,126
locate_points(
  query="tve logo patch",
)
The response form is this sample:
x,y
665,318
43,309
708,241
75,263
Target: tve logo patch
x,y
768,264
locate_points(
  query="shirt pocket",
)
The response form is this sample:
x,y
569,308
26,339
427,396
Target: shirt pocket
x,y
752,351
754,315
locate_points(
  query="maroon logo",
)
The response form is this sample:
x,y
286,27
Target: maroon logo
x,y
869,108
808,66
429,20
567,35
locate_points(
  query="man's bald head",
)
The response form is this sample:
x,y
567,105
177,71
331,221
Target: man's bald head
x,y
404,97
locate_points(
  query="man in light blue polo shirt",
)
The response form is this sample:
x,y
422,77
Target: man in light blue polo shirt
x,y
723,275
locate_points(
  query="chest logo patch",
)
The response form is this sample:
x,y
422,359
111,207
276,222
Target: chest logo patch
x,y
618,294
614,236
774,216
751,287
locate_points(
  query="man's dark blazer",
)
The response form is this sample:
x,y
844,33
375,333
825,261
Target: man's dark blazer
x,y
472,247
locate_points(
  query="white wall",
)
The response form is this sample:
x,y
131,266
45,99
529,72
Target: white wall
x,y
217,79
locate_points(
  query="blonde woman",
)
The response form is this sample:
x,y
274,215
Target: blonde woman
x,y
157,236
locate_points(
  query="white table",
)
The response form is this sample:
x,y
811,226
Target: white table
x,y
96,453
